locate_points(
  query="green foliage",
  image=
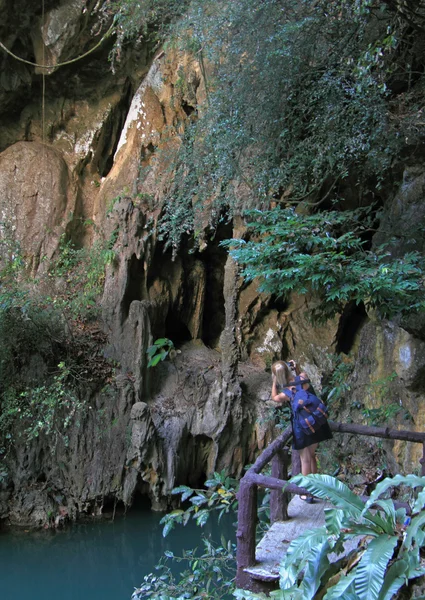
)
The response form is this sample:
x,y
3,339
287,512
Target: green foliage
x,y
387,556
380,391
298,101
48,410
159,351
302,108
142,19
386,414
220,496
208,575
83,273
38,396
325,254
337,384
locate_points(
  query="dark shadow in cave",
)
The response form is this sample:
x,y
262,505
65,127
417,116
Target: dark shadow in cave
x,y
141,500
135,286
214,258
112,130
352,320
176,330
193,460
112,506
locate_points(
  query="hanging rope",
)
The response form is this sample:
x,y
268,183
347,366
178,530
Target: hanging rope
x,y
63,64
43,91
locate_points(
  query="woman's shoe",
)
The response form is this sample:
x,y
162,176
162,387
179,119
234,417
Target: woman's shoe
x,y
308,499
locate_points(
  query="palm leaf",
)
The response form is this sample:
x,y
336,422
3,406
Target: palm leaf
x,y
338,591
389,509
420,502
395,577
412,481
335,520
414,532
325,486
297,554
371,569
317,565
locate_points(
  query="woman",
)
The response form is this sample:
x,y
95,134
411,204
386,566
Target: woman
x,y
283,375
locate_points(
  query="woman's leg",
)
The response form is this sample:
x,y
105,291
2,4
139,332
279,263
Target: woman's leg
x,y
308,459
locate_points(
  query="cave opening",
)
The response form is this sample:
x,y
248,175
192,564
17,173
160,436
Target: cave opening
x,y
135,285
187,108
141,500
194,456
214,258
353,318
113,129
112,506
176,330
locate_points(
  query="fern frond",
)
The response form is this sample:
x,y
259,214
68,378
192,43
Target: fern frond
x,y
371,569
420,502
395,577
327,487
412,481
317,565
414,532
298,553
342,588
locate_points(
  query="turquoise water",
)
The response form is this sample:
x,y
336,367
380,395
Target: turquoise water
x,y
97,560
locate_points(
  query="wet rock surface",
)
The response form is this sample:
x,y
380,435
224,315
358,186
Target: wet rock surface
x,y
75,154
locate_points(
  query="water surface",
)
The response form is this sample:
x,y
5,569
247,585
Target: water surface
x,y
97,560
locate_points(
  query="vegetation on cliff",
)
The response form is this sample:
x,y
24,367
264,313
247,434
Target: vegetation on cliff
x,y
50,355
312,110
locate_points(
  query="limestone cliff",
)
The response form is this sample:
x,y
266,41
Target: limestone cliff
x,y
82,143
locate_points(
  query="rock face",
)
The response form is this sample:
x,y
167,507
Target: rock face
x,y
77,156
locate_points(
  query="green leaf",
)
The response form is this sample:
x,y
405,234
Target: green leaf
x,y
169,525
419,503
414,533
341,590
298,553
412,481
317,565
395,577
155,360
327,487
371,570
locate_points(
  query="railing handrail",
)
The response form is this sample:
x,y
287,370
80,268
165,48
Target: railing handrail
x,y
247,513
369,431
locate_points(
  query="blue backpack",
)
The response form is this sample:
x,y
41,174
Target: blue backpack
x,y
308,410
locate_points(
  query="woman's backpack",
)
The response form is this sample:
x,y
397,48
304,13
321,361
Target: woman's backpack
x,y
309,411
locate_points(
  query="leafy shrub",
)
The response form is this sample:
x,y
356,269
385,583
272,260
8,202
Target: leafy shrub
x,y
387,556
208,575
325,254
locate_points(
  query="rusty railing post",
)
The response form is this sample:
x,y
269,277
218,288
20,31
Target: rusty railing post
x,y
245,535
279,500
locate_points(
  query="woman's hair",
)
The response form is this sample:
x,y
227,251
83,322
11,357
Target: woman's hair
x,y
282,373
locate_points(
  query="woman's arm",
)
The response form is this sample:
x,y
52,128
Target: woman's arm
x,y
301,374
278,397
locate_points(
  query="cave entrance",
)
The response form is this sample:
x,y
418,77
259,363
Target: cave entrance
x,y
194,455
135,286
352,320
214,258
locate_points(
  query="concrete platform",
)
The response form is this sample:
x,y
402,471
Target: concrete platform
x,y
272,548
